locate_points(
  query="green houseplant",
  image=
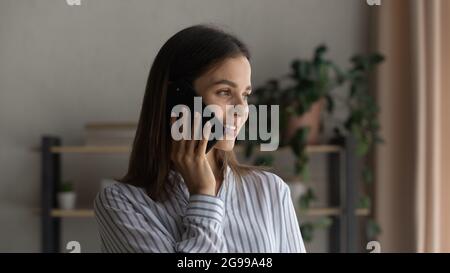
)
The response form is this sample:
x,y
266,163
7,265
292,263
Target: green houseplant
x,y
300,99
313,81
363,124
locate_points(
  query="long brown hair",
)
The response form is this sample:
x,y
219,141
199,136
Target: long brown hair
x,y
188,54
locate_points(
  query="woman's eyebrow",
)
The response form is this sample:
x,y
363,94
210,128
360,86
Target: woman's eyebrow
x,y
230,83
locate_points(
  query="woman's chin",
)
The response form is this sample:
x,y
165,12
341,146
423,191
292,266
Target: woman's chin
x,y
225,145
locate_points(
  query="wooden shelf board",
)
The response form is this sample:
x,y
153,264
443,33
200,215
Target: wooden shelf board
x,y
311,149
331,212
111,126
91,149
124,149
75,213
323,149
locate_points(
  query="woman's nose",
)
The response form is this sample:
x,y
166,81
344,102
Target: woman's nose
x,y
240,108
240,101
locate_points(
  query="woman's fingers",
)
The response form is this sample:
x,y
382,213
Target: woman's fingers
x,y
190,145
204,142
185,119
194,134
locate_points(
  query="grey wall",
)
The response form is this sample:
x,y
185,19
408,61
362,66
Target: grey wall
x,y
63,66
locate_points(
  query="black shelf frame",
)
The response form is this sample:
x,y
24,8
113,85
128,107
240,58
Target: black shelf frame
x,y
51,175
342,168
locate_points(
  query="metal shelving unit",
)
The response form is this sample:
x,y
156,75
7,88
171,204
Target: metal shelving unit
x,y
342,191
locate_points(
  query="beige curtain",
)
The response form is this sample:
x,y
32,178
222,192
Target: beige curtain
x,y
413,89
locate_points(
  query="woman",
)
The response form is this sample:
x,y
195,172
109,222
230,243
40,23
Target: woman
x,y
176,197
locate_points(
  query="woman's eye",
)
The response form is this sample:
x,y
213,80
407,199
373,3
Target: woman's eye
x,y
224,93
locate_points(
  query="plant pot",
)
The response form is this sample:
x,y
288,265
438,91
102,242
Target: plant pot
x,y
310,119
66,200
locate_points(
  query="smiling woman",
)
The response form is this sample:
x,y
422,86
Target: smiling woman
x,y
176,197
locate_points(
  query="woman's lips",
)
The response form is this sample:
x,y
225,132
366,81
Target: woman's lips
x,y
230,130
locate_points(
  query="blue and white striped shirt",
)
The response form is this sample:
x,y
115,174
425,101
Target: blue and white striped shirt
x,y
256,215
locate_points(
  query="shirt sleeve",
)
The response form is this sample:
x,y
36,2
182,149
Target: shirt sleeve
x,y
203,223
292,238
123,229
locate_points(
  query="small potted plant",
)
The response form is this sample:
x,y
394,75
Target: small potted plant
x,y
303,100
66,195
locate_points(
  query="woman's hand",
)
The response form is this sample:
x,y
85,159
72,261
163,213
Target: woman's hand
x,y
189,158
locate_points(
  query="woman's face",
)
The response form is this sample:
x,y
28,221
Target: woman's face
x,y
228,83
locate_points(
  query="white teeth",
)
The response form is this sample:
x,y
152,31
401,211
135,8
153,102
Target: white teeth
x,y
231,127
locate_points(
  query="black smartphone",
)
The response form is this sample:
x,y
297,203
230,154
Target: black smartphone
x,y
181,92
